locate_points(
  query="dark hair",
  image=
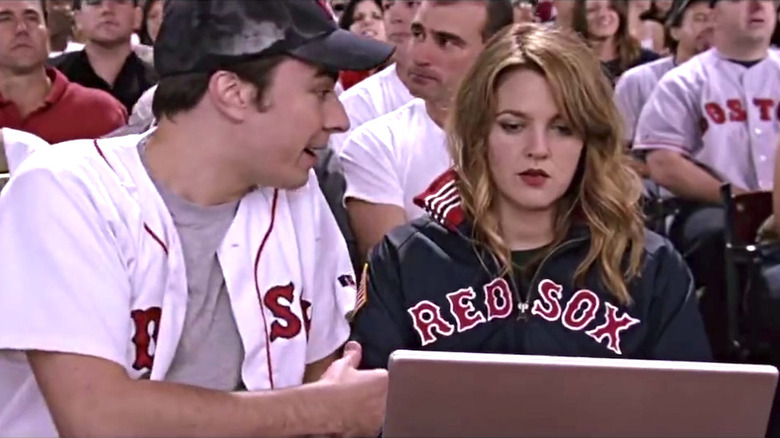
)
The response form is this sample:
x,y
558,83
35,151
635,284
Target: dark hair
x,y
143,33
181,93
77,4
674,21
655,14
45,10
627,48
348,16
500,14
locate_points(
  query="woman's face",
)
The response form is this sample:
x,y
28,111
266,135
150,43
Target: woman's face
x,y
663,6
154,19
532,151
367,21
603,20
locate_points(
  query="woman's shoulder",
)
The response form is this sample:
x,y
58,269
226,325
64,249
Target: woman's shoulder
x,y
657,246
423,241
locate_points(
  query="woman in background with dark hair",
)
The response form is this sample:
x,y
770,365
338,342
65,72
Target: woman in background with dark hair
x,y
604,25
654,20
152,19
363,17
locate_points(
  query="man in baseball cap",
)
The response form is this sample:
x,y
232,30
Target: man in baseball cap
x,y
191,280
688,32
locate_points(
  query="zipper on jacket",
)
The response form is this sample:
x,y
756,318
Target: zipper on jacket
x,y
524,305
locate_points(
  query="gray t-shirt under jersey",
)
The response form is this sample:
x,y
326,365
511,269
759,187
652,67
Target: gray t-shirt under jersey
x,y
210,352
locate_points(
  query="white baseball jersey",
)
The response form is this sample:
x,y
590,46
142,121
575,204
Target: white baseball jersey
x,y
373,97
93,265
721,114
18,145
633,89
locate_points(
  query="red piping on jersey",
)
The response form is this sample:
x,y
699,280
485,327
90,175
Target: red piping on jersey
x,y
102,155
146,226
156,238
257,288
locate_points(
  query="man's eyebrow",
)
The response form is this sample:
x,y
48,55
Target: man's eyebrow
x,y
323,72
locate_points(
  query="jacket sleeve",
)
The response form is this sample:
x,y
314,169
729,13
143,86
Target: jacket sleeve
x,y
675,311
380,322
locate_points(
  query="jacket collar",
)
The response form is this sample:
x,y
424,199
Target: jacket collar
x,y
442,202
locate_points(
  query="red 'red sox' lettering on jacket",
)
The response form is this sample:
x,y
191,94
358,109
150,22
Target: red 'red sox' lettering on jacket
x,y
576,315
147,327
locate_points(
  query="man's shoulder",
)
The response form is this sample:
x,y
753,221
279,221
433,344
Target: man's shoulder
x,y
406,117
391,128
92,99
365,88
375,96
691,76
652,70
64,61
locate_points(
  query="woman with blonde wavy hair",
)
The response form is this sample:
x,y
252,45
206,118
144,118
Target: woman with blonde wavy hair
x,y
534,242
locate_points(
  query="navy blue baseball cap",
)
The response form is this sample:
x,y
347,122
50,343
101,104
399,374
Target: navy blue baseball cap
x,y
207,35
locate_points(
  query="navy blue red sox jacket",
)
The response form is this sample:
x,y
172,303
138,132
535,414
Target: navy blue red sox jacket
x,y
425,288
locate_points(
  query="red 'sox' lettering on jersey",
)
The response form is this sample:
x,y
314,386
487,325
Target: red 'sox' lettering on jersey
x,y
147,327
286,324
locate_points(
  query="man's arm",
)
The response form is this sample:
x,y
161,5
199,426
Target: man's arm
x,y
683,177
374,196
669,129
88,396
73,283
371,222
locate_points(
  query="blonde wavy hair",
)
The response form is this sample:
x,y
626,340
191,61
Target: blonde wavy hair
x,y
605,193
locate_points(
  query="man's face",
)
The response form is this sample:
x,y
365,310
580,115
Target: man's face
x,y
695,32
302,112
108,22
24,42
60,21
446,39
745,22
398,15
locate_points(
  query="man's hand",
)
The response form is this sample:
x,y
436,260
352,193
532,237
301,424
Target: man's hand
x,y
365,393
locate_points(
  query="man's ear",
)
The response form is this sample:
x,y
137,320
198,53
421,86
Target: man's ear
x,y
231,96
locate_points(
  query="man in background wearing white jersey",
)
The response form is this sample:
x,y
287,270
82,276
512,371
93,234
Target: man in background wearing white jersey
x,y
191,281
689,32
712,120
387,90
389,160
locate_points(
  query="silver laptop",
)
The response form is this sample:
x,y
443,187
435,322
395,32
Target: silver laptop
x,y
435,394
